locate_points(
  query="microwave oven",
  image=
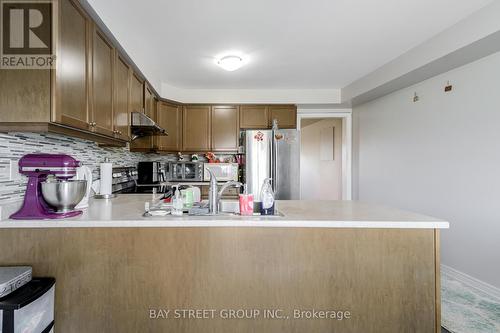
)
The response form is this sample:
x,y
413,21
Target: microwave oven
x,y
222,171
184,171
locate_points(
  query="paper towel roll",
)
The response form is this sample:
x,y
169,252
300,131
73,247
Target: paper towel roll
x,y
106,178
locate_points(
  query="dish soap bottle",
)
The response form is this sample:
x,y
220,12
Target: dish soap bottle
x,y
177,202
267,198
246,202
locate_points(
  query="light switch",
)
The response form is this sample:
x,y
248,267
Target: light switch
x,y
14,170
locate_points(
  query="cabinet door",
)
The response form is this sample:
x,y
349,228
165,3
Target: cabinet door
x,y
254,116
154,115
72,81
102,84
169,117
149,101
137,105
225,128
121,112
196,128
136,94
285,114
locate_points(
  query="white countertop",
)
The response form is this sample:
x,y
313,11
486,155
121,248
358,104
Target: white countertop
x,y
126,211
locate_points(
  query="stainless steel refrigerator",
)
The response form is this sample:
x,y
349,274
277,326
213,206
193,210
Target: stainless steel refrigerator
x,y
273,154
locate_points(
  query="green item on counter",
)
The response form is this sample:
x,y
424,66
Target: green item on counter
x,y
187,197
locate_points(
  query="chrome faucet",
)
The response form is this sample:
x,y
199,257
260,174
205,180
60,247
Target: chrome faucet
x,y
214,196
213,204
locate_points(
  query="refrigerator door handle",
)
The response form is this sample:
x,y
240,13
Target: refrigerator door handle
x,y
274,164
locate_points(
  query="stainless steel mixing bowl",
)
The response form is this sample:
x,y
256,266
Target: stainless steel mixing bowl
x,y
64,195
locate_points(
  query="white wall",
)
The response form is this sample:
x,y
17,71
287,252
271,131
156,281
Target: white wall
x,y
465,32
250,96
441,157
320,179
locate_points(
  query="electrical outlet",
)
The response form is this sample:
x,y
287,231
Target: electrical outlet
x,y
14,170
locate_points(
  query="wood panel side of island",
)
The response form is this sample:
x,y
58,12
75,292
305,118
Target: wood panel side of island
x,y
109,279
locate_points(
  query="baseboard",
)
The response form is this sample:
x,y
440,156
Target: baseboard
x,y
471,282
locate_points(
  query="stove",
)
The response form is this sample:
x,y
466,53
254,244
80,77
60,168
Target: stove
x,y
125,182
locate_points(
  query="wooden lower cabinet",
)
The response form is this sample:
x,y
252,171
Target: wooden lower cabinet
x,y
169,117
196,128
225,128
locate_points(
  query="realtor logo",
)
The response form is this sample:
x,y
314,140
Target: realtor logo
x,y
27,34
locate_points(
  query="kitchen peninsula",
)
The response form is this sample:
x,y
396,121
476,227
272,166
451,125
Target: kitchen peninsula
x,y
116,271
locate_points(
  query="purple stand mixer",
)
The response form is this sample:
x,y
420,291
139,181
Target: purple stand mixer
x,y
38,167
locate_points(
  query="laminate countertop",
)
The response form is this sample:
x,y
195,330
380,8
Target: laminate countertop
x,y
126,211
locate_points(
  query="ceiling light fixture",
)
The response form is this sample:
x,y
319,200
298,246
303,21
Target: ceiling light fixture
x,y
230,62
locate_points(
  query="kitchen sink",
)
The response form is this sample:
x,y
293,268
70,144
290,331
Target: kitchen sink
x,y
229,206
232,208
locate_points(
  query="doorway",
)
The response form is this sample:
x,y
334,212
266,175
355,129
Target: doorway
x,y
325,155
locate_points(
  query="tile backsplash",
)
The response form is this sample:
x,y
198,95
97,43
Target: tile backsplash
x,y
15,145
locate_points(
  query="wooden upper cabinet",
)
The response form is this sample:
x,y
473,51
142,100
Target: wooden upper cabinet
x,y
136,94
155,104
196,128
285,114
254,116
102,84
121,112
225,128
169,117
137,105
72,80
149,101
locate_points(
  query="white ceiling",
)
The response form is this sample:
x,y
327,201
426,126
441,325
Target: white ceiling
x,y
291,44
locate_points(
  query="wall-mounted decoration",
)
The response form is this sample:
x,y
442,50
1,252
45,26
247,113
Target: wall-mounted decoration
x,y
448,87
327,144
415,98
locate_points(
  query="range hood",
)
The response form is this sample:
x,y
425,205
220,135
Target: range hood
x,y
142,125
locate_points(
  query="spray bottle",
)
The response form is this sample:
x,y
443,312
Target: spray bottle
x,y
177,202
267,198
